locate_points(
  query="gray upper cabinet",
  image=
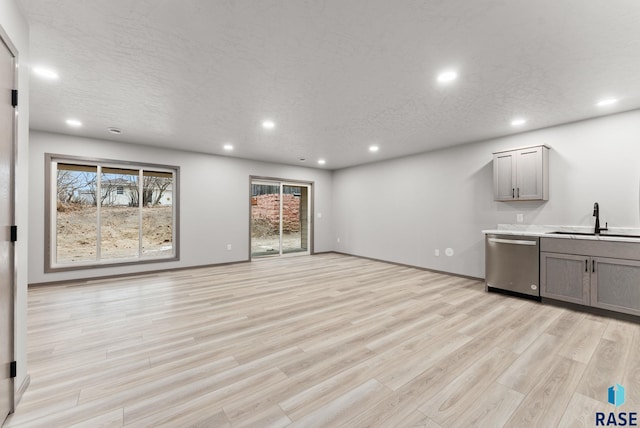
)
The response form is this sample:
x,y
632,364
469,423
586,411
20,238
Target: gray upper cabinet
x,y
503,176
521,174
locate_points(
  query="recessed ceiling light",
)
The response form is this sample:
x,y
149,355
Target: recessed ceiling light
x,y
321,161
46,73
447,76
268,124
74,122
113,130
374,149
228,147
518,122
606,102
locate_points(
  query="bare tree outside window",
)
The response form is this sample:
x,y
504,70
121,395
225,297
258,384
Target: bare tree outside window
x,y
157,237
76,226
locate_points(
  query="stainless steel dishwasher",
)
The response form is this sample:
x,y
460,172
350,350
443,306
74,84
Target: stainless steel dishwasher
x,y
512,264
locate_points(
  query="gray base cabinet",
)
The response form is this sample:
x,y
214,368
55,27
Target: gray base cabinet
x,y
565,277
576,271
615,285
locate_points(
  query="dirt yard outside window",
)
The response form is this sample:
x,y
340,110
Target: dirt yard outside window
x,y
77,232
271,244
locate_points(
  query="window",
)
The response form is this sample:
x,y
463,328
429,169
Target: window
x,y
108,212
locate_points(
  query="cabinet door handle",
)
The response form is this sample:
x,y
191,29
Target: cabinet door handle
x,y
518,193
593,265
586,265
513,192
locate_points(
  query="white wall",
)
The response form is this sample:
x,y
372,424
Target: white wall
x,y
398,210
214,201
15,26
401,210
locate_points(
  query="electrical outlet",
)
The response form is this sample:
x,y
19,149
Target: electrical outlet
x,y
338,240
519,218
228,247
437,253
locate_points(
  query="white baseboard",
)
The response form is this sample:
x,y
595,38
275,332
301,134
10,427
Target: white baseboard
x,y
20,391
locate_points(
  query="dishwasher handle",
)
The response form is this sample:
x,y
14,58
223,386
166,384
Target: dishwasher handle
x,y
513,241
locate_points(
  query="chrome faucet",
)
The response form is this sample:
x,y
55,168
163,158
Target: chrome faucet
x,y
596,214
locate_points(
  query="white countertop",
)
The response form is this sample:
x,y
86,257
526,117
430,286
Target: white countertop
x,y
544,231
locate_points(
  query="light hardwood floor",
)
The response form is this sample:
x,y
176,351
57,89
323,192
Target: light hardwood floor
x,y
326,340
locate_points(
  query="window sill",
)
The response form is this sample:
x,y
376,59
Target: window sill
x,y
108,264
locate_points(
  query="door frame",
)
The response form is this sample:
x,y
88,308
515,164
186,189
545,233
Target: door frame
x,y
280,182
6,40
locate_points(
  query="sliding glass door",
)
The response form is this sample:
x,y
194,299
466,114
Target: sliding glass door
x,y
280,217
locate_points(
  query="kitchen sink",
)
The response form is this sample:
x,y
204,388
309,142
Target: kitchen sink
x,y
612,235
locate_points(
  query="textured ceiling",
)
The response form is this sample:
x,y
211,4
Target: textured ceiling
x,y
335,76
